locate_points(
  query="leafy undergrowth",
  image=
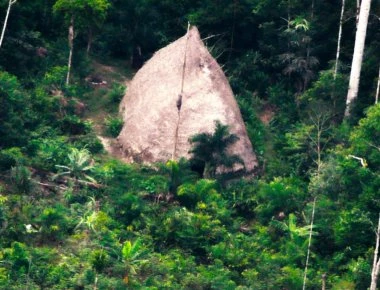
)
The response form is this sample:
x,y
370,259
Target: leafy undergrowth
x,y
72,217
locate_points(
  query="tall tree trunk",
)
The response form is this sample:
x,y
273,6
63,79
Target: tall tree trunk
x,y
288,11
96,281
357,12
11,2
233,29
358,55
308,43
376,260
89,40
339,40
320,121
309,245
377,89
324,281
71,45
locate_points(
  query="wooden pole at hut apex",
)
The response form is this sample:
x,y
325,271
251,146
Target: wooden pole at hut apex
x,y
179,100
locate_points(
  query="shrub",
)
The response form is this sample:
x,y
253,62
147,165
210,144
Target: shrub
x,y
99,260
177,173
282,195
365,137
235,251
14,112
255,128
113,126
213,276
44,271
127,207
242,196
203,190
116,93
55,78
10,157
18,256
332,92
193,231
91,142
22,179
54,223
353,229
49,152
154,184
73,125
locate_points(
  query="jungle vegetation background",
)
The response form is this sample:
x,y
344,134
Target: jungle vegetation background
x,y
72,217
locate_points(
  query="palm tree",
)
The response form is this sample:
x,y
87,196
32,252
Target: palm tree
x,y
80,163
210,150
177,172
133,254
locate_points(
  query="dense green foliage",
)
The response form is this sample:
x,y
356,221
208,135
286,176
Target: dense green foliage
x,y
210,150
71,217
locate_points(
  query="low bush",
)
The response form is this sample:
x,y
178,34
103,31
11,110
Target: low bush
x,y
73,125
91,142
116,93
113,126
10,157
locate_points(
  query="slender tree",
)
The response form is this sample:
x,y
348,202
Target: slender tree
x,y
309,244
71,46
94,19
339,39
83,13
377,89
323,281
376,260
357,59
320,121
357,12
10,3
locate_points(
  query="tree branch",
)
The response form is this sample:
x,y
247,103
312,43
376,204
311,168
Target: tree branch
x,y
363,162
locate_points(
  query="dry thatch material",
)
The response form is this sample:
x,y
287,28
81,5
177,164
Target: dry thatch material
x,y
181,91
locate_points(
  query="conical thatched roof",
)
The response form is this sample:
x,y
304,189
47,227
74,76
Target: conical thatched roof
x,y
154,129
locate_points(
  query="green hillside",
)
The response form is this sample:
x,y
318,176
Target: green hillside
x,y
75,216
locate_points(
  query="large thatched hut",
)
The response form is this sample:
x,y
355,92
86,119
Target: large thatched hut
x,y
181,91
